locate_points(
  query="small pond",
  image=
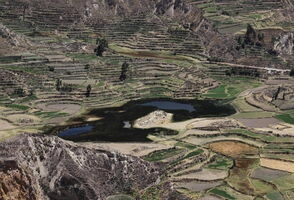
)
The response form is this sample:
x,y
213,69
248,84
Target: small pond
x,y
75,131
115,123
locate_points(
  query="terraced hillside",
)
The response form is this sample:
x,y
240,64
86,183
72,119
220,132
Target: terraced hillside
x,y
235,52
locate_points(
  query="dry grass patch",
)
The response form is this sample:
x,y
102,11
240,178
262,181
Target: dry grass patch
x,y
197,186
23,119
70,108
277,164
232,148
5,125
206,175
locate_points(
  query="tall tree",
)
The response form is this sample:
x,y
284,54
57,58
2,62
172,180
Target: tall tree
x,y
58,84
124,69
102,44
88,91
250,35
292,72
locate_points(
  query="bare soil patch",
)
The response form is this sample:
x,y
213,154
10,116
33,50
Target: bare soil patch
x,y
197,186
210,197
277,164
4,125
239,175
206,175
213,124
204,140
260,122
23,119
267,174
251,100
232,148
61,107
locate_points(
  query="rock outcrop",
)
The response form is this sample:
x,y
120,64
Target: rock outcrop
x,y
285,44
13,38
43,167
153,119
282,96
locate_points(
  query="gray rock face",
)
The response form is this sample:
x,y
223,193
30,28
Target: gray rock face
x,y
58,169
13,38
285,44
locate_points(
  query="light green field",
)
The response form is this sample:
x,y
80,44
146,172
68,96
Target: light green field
x,y
221,163
231,87
285,183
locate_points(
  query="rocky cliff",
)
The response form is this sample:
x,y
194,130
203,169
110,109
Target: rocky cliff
x,y
42,167
13,38
285,44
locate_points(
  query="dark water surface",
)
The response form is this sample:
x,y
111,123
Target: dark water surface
x,y
75,131
170,105
112,127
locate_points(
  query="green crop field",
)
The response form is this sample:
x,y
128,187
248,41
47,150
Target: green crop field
x,y
18,107
221,193
221,163
286,118
162,154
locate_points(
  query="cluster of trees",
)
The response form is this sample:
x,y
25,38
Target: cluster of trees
x,y
59,86
215,59
243,72
19,92
251,37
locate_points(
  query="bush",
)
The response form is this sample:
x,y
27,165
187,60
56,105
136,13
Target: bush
x,y
51,68
292,72
215,59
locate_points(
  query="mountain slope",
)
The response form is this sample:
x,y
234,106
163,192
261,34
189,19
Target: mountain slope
x,y
42,167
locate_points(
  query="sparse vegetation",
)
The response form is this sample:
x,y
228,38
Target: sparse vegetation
x,y
221,163
50,115
221,193
210,50
17,106
162,154
186,145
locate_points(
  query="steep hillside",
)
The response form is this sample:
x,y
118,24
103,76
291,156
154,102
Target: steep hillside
x,y
42,167
84,68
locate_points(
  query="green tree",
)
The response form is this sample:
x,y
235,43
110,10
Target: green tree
x,y
19,92
292,72
250,35
88,91
51,68
124,69
58,84
102,44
